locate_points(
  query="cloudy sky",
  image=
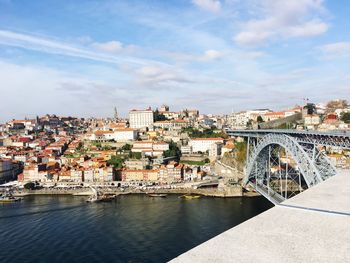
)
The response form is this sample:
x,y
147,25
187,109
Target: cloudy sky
x,y
84,57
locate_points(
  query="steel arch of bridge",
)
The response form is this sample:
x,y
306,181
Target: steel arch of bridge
x,y
311,163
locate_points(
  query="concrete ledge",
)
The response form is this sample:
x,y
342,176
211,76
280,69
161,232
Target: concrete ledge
x,y
314,226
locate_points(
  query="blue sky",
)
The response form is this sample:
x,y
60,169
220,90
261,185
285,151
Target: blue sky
x,y
84,57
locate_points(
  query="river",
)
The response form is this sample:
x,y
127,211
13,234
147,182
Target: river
x,y
133,228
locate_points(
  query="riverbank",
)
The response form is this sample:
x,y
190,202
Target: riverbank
x,y
210,192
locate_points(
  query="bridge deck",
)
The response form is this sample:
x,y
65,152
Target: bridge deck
x,y
313,226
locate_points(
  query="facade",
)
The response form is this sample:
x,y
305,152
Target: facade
x,y
271,116
239,120
140,119
203,144
186,149
215,149
171,124
312,120
6,168
124,135
149,148
139,175
135,164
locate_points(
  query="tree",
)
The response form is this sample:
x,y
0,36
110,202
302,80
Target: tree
x,y
206,133
159,117
259,119
29,186
135,155
345,117
249,123
186,113
241,152
311,108
337,104
116,161
126,147
173,151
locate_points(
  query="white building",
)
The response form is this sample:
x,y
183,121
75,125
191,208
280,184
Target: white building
x,y
126,134
311,120
186,149
150,148
238,120
203,144
139,119
215,149
160,146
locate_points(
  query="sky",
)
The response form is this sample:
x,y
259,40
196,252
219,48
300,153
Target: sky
x,y
85,57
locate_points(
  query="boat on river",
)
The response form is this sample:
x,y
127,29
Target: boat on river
x,y
157,195
9,198
189,196
96,197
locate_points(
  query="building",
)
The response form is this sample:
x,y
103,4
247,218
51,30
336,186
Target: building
x,y
139,175
135,164
140,119
164,108
312,120
271,116
171,124
186,149
6,169
125,134
149,148
203,144
215,149
238,120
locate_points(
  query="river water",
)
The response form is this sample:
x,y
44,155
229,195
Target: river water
x,y
133,228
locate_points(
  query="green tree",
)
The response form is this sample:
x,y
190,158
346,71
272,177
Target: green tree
x,y
116,161
345,117
311,108
173,151
259,119
206,133
126,147
159,117
135,155
29,186
241,152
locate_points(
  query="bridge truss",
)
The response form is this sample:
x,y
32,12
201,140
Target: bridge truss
x,y
280,165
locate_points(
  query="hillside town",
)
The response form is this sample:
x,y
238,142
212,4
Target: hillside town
x,y
151,147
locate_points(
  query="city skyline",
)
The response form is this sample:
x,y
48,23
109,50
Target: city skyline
x,y
212,55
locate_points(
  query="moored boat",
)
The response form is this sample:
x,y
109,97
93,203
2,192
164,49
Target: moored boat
x,y
189,197
9,198
157,195
96,197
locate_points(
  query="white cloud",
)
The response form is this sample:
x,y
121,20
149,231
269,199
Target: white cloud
x,y
52,46
155,76
109,47
285,19
336,49
40,90
212,54
252,37
213,6
311,28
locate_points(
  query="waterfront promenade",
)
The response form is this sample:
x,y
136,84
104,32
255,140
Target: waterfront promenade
x,y
314,226
211,192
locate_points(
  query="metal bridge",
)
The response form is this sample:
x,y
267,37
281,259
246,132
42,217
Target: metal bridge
x,y
283,163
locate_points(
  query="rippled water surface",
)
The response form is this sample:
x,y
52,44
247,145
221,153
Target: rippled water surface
x,y
133,228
